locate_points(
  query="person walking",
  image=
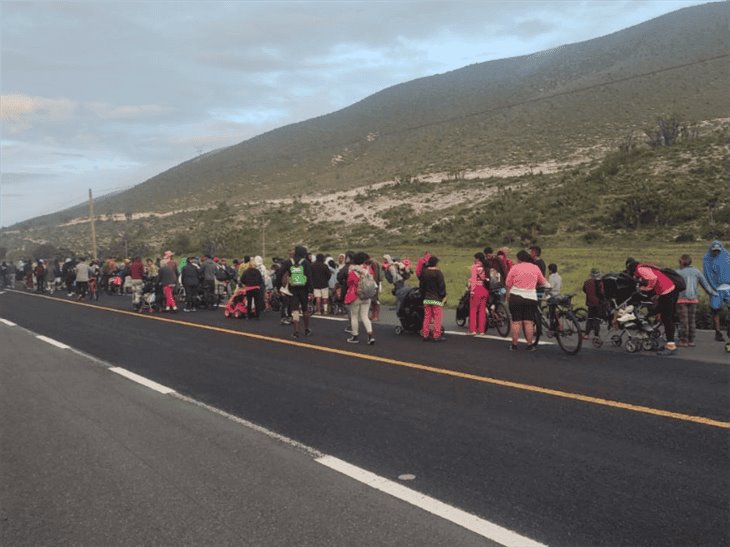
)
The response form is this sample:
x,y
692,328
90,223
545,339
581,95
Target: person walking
x,y
522,281
359,304
478,295
433,289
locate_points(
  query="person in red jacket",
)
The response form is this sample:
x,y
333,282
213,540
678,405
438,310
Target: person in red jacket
x,y
664,294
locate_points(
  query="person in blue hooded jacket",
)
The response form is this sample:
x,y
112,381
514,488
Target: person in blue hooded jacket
x,y
717,272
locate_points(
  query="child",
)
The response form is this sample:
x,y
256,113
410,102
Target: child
x,y
554,279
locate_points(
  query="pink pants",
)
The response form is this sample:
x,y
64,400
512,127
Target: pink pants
x,y
434,313
169,299
478,310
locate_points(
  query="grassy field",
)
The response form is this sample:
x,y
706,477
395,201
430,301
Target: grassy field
x,y
574,264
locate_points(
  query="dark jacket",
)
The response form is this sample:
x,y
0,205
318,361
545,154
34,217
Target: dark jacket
x,y
594,292
432,284
190,275
320,275
168,274
252,277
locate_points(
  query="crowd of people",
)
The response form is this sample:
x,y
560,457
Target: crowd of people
x,y
303,284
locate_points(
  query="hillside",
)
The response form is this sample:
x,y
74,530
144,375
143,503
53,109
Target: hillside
x,y
546,120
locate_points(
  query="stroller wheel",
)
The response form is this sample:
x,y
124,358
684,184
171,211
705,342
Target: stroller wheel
x,y
597,342
461,322
632,346
399,330
616,340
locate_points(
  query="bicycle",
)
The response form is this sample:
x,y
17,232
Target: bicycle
x,y
556,318
498,316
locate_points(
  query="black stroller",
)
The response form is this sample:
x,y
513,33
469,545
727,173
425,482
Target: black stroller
x,y
411,312
152,297
631,313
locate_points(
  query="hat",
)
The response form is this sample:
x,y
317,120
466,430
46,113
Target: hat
x,y
216,259
716,246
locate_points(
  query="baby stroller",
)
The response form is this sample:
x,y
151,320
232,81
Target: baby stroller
x,y
411,312
151,298
631,314
236,305
462,309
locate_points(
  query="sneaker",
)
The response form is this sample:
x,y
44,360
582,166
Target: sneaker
x,y
295,334
683,344
719,337
666,352
348,330
371,340
471,333
512,347
691,344
167,308
285,321
307,332
531,347
441,338
353,340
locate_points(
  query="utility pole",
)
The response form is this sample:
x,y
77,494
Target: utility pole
x,y
263,240
93,226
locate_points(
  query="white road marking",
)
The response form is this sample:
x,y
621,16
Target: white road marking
x,y
52,342
328,318
493,337
142,380
479,526
6,322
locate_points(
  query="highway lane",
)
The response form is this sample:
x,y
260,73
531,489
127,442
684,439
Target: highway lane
x,y
559,470
89,458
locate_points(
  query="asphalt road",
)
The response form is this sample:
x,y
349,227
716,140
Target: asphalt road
x,y
604,448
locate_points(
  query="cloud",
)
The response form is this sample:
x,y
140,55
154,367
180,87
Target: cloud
x,y
127,112
20,111
7,179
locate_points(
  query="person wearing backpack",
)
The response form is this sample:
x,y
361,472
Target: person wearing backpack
x,y
665,290
299,271
361,288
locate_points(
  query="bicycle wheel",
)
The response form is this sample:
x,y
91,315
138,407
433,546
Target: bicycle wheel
x,y
501,319
568,333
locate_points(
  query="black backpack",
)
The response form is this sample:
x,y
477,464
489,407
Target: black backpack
x,y
679,283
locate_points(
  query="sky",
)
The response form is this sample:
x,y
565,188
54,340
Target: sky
x,y
103,95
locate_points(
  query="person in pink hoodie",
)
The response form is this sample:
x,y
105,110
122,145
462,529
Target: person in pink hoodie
x,y
664,293
479,295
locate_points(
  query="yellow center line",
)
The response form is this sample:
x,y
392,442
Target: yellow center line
x,y
416,366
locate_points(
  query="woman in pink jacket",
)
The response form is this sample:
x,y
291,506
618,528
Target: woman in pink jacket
x,y
479,295
664,293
